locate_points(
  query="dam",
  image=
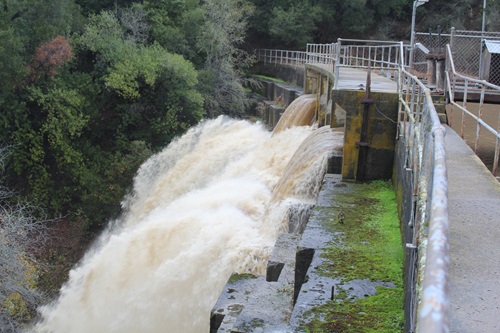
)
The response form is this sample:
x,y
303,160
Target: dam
x,y
232,197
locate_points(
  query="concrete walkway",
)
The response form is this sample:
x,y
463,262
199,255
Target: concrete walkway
x,y
355,79
474,215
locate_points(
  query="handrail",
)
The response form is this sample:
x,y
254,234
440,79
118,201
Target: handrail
x,y
425,137
315,53
321,53
282,57
470,85
376,55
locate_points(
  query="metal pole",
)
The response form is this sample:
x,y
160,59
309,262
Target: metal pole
x,y
416,3
412,39
482,42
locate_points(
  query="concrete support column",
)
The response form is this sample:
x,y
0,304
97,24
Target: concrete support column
x,y
380,134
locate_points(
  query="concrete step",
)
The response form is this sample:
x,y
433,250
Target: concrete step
x,y
259,303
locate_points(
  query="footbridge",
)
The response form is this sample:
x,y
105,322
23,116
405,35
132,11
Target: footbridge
x,y
399,118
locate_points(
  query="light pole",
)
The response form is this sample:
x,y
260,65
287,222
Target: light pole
x,y
482,42
416,3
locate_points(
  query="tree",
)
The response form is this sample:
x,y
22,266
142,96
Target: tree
x,y
154,86
176,25
50,56
19,231
223,32
293,27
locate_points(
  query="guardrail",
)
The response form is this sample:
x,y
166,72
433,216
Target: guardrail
x,y
374,54
424,139
322,53
314,54
384,57
282,57
456,82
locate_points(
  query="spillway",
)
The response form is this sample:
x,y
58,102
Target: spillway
x,y
211,203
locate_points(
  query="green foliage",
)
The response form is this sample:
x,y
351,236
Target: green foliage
x,y
104,35
12,68
223,31
294,23
37,21
147,64
294,26
176,25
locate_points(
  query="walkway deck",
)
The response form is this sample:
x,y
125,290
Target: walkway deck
x,y
355,79
474,215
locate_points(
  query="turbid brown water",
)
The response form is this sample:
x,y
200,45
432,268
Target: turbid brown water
x,y
487,141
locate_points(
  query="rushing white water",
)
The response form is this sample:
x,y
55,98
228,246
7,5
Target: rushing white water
x,y
201,209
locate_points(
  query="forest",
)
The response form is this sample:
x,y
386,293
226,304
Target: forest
x,y
90,89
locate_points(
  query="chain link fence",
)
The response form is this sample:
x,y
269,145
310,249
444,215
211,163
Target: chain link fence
x,y
476,54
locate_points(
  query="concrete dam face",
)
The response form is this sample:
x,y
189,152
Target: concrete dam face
x,y
210,204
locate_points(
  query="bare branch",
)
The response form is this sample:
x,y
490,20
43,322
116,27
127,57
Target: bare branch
x,y
134,20
19,230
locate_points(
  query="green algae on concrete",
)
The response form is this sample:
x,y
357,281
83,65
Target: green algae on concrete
x,y
367,247
235,277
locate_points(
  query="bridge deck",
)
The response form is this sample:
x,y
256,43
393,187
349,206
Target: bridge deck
x,y
474,215
355,79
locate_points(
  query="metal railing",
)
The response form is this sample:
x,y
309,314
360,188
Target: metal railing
x,y
425,156
370,54
382,57
282,57
468,86
322,53
314,54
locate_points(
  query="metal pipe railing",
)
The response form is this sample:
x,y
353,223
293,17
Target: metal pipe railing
x,y
377,55
424,139
456,82
282,57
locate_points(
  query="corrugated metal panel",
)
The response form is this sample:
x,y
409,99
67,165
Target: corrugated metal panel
x,y
493,46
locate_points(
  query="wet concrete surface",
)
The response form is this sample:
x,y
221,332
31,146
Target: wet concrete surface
x,y
281,301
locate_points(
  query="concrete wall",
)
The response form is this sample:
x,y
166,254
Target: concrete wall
x,y
376,141
288,73
403,185
277,96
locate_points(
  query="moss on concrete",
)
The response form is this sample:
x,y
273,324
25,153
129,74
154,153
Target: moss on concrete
x,y
268,78
367,246
235,277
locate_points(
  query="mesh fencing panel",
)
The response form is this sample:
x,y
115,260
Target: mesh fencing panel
x,y
470,55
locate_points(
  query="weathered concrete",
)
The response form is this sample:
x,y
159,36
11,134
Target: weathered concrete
x,y
288,73
474,215
379,138
260,304
403,181
355,79
314,288
294,283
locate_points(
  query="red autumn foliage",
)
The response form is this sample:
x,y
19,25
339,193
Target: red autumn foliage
x,y
50,56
